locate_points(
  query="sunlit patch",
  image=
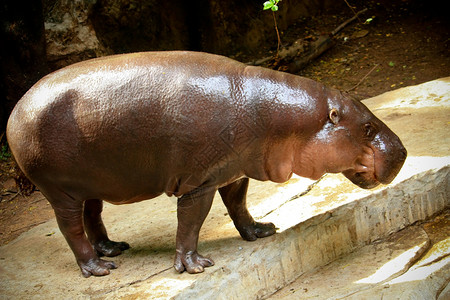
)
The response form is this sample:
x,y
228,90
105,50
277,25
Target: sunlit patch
x,y
418,164
421,273
394,266
166,288
436,252
301,199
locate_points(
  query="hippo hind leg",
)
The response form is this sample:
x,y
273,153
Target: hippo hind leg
x,y
234,196
96,231
69,215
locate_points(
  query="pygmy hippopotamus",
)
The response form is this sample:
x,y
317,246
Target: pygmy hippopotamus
x,y
130,127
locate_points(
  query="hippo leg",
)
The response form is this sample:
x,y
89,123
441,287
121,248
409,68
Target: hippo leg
x,y
69,215
96,231
191,212
234,197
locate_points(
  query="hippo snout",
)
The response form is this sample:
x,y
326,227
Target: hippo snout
x,y
386,158
389,156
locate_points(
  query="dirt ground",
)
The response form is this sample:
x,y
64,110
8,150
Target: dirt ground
x,y
406,43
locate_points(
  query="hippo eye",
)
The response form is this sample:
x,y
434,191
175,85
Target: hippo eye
x,y
370,130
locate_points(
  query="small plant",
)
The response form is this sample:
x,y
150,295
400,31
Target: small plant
x,y
369,20
4,153
273,5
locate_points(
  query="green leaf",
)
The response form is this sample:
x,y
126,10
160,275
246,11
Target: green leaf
x,y
268,5
391,64
274,8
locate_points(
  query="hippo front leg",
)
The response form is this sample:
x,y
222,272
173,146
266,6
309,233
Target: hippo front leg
x,y
192,210
234,196
69,215
96,231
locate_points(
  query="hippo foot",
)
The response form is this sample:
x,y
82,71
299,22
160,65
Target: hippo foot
x,y
192,262
110,248
257,230
96,267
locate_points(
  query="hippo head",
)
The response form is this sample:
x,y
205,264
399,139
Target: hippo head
x,y
355,142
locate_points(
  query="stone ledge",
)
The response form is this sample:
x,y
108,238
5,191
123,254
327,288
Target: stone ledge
x,y
413,263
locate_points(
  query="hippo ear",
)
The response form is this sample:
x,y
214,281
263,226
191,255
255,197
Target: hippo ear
x,y
334,116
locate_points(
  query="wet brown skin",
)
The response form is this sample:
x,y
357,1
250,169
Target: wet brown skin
x,y
130,127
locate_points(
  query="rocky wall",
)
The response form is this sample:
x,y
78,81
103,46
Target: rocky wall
x,y
22,52
81,29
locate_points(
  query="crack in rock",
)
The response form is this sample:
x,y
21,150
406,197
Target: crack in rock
x,y
101,293
308,189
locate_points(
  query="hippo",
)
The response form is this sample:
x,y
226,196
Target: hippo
x,y
130,127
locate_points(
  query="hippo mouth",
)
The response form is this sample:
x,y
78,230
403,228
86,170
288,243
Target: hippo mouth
x,y
374,166
364,173
364,180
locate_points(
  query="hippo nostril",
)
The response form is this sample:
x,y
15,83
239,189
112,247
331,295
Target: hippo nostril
x,y
404,153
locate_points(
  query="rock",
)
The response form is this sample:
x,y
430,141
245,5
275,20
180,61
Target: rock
x,y
22,52
10,186
69,33
360,34
386,269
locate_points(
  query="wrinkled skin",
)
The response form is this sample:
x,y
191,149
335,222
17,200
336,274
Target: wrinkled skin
x,y
131,127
